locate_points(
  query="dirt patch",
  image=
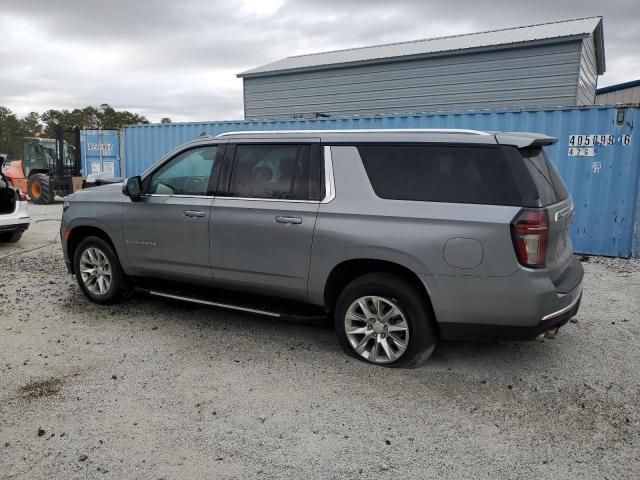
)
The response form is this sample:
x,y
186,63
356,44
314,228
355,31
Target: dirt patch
x,y
41,388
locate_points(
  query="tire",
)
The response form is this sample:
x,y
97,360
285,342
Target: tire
x,y
12,237
413,312
97,254
39,189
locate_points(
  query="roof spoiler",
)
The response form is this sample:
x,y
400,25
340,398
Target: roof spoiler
x,y
524,139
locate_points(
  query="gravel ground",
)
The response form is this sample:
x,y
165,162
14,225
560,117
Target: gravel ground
x,y
156,389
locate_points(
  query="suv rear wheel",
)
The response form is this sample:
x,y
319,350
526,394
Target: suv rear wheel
x,y
98,271
383,319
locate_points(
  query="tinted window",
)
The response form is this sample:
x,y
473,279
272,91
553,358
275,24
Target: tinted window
x,y
549,184
273,171
186,174
456,174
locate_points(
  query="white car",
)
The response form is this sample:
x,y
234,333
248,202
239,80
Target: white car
x,y
14,212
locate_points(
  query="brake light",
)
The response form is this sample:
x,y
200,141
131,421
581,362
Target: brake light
x,y
22,197
530,231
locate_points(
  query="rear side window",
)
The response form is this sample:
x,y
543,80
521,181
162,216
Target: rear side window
x,y
438,173
274,171
549,185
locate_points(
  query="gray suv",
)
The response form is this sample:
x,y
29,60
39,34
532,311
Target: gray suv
x,y
404,237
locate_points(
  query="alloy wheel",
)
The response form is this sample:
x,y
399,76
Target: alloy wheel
x,y
95,271
377,329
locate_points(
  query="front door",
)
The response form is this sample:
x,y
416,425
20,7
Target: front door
x,y
263,224
166,233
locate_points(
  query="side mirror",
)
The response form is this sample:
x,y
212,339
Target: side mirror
x,y
132,188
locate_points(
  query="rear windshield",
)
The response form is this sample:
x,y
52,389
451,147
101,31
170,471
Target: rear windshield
x,y
438,173
551,189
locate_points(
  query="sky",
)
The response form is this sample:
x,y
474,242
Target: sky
x,y
179,58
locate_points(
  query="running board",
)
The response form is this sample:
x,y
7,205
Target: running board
x,y
213,304
246,303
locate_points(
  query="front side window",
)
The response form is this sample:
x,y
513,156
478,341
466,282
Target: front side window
x,y
439,173
186,174
273,172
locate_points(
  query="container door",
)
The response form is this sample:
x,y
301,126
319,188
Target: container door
x,y
100,152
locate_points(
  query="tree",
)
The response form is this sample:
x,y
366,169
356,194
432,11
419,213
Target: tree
x,y
108,117
12,129
10,133
105,117
31,125
165,120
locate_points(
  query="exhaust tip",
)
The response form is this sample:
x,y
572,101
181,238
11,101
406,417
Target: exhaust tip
x,y
548,335
551,334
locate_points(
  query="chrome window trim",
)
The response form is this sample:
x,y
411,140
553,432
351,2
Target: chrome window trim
x,y
258,199
176,196
329,185
329,179
233,198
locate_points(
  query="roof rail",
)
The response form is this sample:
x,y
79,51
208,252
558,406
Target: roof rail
x,y
362,130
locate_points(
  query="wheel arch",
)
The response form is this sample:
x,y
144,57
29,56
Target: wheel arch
x,y
79,233
347,271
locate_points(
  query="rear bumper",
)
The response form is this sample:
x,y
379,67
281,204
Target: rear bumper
x,y
518,307
14,227
470,331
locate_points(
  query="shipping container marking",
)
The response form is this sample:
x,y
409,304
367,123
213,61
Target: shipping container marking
x,y
598,140
105,147
106,167
596,167
582,152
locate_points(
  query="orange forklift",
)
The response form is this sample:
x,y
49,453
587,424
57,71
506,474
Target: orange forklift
x,y
48,166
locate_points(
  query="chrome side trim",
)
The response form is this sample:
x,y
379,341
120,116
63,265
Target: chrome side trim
x,y
361,130
565,309
329,179
213,304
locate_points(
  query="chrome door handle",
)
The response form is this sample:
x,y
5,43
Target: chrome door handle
x,y
194,213
289,220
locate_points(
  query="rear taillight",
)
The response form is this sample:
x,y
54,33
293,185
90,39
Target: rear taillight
x,y
22,197
530,230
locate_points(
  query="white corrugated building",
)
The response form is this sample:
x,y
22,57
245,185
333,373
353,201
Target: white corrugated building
x,y
628,92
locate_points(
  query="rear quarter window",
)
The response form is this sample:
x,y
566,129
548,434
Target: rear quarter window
x,y
440,173
548,183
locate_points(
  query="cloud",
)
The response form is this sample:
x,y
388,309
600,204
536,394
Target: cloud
x,y
179,59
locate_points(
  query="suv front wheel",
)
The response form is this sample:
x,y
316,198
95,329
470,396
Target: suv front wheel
x,y
98,271
383,319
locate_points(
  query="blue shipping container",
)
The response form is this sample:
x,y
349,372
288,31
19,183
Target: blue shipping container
x,y
597,155
100,151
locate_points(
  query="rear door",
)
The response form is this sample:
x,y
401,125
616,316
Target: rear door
x,y
166,233
264,216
